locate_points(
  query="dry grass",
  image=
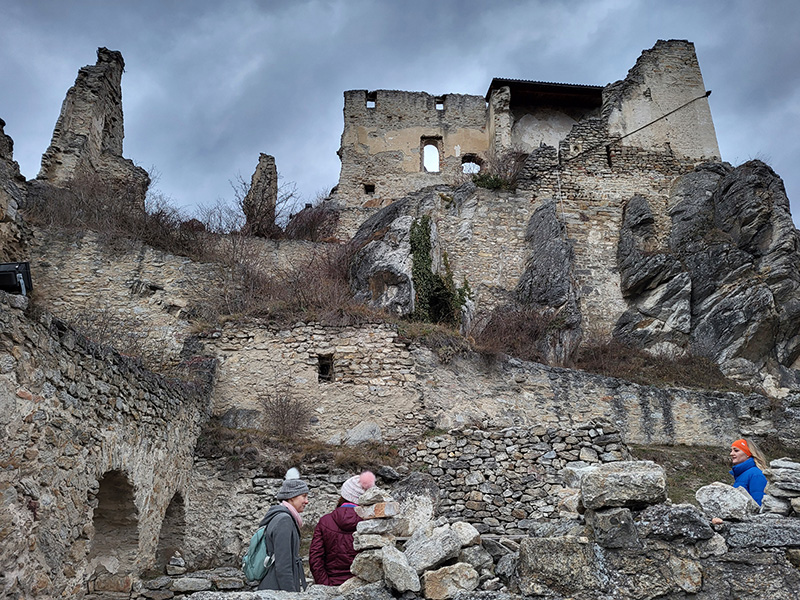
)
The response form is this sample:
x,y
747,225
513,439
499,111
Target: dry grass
x,y
615,359
252,448
514,330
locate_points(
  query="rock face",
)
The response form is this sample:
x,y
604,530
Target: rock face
x,y
87,139
261,199
548,282
12,196
726,502
727,285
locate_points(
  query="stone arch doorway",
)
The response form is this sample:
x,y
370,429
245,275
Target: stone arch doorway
x,y
173,532
115,544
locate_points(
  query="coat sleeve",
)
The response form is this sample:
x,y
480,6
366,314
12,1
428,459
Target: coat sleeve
x,y
316,557
756,485
281,534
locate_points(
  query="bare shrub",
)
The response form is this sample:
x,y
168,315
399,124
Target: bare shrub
x,y
313,223
517,331
501,170
285,415
614,358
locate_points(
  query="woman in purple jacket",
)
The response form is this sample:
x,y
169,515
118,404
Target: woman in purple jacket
x,y
331,552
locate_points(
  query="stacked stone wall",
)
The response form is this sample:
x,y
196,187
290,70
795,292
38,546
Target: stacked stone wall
x,y
71,413
502,481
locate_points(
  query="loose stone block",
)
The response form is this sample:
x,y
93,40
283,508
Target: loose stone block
x,y
446,582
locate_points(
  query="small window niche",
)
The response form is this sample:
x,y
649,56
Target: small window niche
x,y
372,99
470,164
325,367
431,153
439,102
369,189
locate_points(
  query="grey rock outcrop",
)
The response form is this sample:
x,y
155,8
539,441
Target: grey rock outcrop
x,y
727,283
87,139
547,283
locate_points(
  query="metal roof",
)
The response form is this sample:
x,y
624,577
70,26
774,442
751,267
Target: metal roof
x,y
544,92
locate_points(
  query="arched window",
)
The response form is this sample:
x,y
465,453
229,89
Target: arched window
x,y
431,154
173,530
115,521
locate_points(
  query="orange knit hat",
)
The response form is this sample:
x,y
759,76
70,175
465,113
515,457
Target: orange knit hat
x,y
742,445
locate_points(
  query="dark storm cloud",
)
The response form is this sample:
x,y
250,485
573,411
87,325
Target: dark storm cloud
x,y
209,85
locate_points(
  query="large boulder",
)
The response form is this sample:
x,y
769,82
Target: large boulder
x,y
613,527
431,546
565,565
398,573
682,521
726,502
634,484
765,532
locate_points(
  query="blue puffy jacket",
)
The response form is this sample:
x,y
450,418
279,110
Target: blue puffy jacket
x,y
747,475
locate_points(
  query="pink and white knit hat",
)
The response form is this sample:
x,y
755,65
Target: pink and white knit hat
x,y
357,485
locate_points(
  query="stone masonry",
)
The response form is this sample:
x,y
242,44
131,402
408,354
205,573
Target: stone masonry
x,y
95,461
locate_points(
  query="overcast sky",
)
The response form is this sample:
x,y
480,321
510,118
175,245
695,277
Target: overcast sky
x,y
210,84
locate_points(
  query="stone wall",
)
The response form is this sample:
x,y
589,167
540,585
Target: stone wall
x,y
96,452
503,480
12,196
384,136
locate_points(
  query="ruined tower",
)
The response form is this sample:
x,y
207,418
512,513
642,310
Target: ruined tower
x,y
259,203
87,139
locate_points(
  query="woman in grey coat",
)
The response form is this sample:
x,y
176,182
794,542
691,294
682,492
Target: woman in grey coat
x,y
283,523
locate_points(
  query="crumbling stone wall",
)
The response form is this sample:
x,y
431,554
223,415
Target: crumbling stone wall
x,y
95,449
12,196
87,139
385,133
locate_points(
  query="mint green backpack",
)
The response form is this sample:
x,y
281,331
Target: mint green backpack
x,y
256,562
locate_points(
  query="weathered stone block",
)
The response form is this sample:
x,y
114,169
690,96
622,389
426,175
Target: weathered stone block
x,y
613,527
368,565
190,584
564,565
726,502
381,510
365,541
630,483
467,534
398,573
448,581
666,522
430,547
765,533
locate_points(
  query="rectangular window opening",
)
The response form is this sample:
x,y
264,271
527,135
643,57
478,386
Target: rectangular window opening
x,y
372,99
325,367
369,188
439,103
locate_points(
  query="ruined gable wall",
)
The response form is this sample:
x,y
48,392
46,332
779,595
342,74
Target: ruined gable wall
x,y
665,77
12,196
88,135
382,146
71,412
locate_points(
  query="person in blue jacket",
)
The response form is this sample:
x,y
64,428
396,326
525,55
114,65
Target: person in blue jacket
x,y
749,465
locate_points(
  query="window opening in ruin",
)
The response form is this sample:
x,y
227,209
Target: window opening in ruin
x,y
608,154
431,151
372,99
325,367
439,103
173,531
369,188
470,164
115,522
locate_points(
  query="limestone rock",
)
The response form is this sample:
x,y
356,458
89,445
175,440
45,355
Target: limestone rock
x,y
613,527
476,556
574,472
379,510
564,565
429,547
726,502
467,534
368,565
448,581
418,495
398,573
629,483
375,495
366,432
765,533
774,505
548,281
190,584
682,521
364,541
370,591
